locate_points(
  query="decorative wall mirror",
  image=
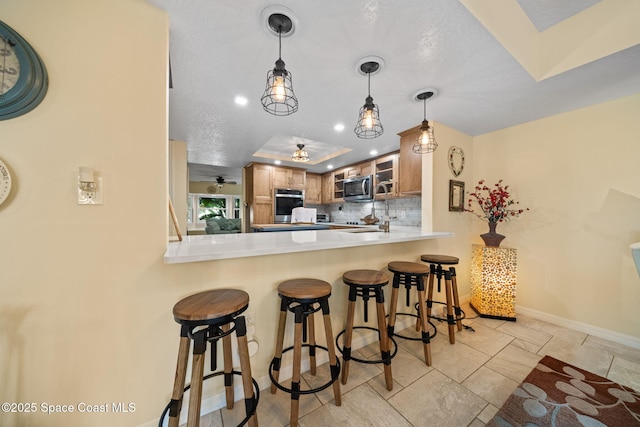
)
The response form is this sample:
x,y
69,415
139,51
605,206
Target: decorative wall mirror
x,y
456,196
456,160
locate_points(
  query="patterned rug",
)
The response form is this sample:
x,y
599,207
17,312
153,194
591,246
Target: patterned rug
x,y
558,394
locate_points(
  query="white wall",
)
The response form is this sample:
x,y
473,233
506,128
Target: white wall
x,y
578,173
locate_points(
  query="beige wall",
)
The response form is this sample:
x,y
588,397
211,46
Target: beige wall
x,y
85,313
578,173
83,287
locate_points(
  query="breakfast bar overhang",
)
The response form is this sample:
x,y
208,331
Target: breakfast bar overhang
x,y
226,246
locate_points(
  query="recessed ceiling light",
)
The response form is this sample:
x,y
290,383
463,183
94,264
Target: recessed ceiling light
x,y
277,162
339,127
373,152
329,166
241,100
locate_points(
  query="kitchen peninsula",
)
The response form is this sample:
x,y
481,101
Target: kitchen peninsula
x,y
226,246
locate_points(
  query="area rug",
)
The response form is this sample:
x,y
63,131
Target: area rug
x,y
558,394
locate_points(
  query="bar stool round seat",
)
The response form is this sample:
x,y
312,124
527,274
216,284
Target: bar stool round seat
x,y
304,297
207,317
411,275
454,312
366,284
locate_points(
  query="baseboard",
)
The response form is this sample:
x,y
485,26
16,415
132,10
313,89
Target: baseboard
x,y
217,401
581,327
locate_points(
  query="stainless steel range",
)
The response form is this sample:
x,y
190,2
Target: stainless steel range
x,y
285,201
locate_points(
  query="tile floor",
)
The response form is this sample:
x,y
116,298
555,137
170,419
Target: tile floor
x,y
465,385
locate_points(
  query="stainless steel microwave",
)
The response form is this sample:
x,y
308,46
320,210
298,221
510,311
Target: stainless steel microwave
x,y
358,189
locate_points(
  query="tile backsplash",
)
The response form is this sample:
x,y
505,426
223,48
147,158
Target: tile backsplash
x,y
403,211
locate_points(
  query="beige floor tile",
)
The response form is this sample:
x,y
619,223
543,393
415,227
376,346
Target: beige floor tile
x,y
490,385
457,361
615,349
487,413
550,328
275,409
361,406
526,345
437,400
467,383
626,373
514,362
359,373
487,340
590,358
520,331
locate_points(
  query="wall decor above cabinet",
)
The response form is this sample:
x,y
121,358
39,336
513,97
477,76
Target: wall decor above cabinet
x,y
23,76
456,160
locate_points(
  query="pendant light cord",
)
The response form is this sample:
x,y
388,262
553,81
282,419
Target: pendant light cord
x,y
424,103
280,42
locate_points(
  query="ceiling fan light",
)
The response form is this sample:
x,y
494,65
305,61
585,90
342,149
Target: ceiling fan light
x,y
300,155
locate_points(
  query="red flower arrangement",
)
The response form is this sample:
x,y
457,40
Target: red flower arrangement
x,y
494,203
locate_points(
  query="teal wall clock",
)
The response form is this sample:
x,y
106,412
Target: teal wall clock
x,y
23,76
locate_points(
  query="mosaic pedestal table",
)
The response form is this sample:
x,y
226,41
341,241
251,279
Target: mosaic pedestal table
x,y
493,282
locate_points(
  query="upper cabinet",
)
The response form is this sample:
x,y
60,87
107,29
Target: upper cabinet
x,y
386,169
410,171
313,189
360,169
289,178
259,194
327,187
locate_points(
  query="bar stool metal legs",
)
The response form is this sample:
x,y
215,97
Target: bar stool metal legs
x,y
366,284
200,326
411,275
304,297
454,312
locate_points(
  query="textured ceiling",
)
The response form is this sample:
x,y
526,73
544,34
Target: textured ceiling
x,y
477,59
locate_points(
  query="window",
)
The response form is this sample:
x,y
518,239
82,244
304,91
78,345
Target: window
x,y
205,206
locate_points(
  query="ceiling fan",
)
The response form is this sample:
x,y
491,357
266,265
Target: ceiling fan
x,y
220,182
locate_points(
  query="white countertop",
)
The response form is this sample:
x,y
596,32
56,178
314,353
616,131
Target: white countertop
x,y
224,246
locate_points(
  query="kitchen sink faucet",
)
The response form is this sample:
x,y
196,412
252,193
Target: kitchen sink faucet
x,y
386,220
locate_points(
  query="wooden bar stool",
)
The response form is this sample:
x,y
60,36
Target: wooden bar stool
x,y
365,284
304,297
410,275
454,313
207,317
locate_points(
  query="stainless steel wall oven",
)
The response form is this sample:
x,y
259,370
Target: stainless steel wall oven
x,y
284,202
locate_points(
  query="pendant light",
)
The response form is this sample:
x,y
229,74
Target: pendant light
x,y
426,141
278,98
369,125
300,155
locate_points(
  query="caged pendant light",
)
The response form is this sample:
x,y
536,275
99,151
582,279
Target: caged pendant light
x,y
426,142
369,125
278,98
300,155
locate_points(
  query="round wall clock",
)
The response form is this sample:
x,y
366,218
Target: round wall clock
x,y
23,76
456,160
5,182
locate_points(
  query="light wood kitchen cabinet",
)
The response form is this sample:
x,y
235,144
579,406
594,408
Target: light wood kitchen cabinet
x,y
410,170
359,169
338,185
313,189
289,178
386,169
259,194
327,187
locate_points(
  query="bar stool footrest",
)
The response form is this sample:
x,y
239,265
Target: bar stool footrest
x,y
335,374
431,336
253,402
356,359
